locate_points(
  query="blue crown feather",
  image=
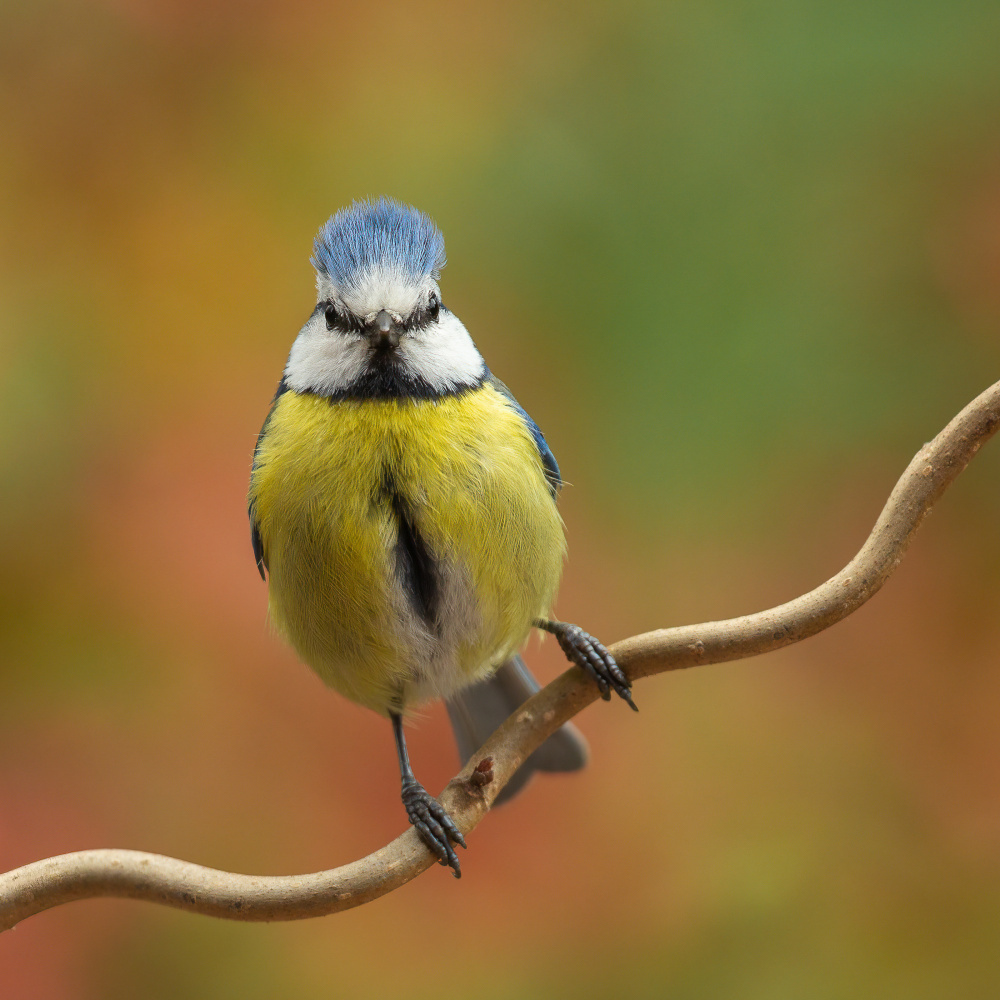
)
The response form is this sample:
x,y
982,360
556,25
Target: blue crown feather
x,y
382,235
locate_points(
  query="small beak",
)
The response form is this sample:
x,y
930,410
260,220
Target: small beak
x,y
383,332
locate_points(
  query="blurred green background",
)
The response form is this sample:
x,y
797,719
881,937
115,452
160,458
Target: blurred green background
x,y
738,259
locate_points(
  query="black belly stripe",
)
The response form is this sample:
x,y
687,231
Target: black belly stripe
x,y
415,564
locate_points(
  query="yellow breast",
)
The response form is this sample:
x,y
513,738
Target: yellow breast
x,y
332,482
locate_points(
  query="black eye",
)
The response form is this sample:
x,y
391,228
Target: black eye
x,y
433,306
341,319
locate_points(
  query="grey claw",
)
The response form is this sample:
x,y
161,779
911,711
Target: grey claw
x,y
431,821
589,653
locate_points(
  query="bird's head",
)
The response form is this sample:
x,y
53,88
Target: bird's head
x,y
379,328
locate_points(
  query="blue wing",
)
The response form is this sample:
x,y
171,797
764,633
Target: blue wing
x,y
549,463
255,539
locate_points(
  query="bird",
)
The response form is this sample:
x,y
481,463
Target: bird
x,y
403,509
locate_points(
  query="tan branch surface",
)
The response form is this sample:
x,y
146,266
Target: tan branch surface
x,y
158,879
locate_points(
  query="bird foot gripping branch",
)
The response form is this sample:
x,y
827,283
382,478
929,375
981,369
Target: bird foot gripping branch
x,y
591,655
436,828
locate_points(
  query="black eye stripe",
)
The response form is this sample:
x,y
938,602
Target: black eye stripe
x,y
340,320
343,321
422,318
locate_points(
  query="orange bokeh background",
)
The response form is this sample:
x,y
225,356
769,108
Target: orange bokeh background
x,y
738,261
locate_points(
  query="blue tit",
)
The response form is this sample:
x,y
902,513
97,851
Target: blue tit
x,y
403,506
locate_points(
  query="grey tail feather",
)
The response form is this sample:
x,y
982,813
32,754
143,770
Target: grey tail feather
x,y
477,711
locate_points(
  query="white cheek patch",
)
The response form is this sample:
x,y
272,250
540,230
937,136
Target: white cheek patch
x,y
443,355
324,362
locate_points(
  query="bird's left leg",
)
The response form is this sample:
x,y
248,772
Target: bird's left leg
x,y
436,828
587,652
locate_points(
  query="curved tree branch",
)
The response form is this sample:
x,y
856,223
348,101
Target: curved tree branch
x,y
158,879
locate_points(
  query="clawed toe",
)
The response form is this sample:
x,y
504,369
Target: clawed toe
x,y
436,828
589,653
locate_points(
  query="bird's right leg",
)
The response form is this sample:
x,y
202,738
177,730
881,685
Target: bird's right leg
x,y
431,820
